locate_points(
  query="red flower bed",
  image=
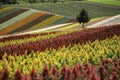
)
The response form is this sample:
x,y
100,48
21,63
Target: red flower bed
x,y
4,39
106,70
63,40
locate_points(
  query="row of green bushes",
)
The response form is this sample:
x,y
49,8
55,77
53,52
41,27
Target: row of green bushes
x,y
32,1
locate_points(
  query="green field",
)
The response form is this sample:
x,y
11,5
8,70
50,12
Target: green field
x,y
72,9
111,2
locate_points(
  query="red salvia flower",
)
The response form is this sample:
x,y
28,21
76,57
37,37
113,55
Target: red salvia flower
x,y
5,74
33,74
18,75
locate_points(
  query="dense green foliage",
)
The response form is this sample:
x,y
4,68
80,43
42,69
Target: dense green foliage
x,y
33,1
111,2
83,17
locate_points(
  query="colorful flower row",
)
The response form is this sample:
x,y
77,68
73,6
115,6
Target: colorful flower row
x,y
63,40
90,52
29,38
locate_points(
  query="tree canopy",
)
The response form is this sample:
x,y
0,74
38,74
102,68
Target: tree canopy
x,y
83,17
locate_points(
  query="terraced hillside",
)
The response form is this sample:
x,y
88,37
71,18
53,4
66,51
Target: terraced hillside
x,y
14,20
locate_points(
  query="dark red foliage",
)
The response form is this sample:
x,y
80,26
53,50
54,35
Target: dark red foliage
x,y
114,76
4,75
45,73
53,70
25,77
93,75
18,75
86,65
68,74
101,69
63,71
116,62
106,61
118,67
75,72
63,40
87,71
33,74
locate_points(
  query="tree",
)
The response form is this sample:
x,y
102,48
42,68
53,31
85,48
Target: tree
x,y
32,1
8,1
83,17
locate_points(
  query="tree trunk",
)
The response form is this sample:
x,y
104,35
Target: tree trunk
x,y
82,25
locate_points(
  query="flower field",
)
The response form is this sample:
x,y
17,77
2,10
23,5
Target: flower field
x,y
29,38
63,40
106,70
11,19
94,60
84,54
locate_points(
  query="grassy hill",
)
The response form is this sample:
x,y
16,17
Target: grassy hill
x,y
14,20
72,9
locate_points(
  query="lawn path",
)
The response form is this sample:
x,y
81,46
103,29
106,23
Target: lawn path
x,y
107,22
